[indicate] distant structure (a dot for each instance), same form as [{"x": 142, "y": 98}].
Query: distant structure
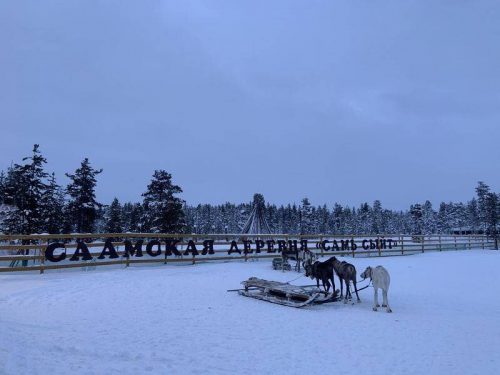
[{"x": 257, "y": 223}]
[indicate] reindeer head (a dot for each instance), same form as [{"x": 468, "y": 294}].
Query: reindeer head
[
  {"x": 309, "y": 268},
  {"x": 367, "y": 273}
]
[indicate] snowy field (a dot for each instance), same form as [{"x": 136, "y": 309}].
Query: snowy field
[{"x": 180, "y": 320}]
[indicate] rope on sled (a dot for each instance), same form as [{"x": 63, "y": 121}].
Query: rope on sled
[{"x": 288, "y": 282}]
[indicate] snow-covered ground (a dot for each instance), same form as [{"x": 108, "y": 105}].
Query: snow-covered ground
[{"x": 180, "y": 319}]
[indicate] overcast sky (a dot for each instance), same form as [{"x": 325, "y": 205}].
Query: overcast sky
[{"x": 346, "y": 101}]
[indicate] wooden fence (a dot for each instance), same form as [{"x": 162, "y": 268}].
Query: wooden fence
[{"x": 28, "y": 252}]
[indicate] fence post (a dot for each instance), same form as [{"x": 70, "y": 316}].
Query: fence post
[
  {"x": 42, "y": 256},
  {"x": 423, "y": 243},
  {"x": 402, "y": 245},
  {"x": 455, "y": 237},
  {"x": 127, "y": 258},
  {"x": 320, "y": 245},
  {"x": 379, "y": 245},
  {"x": 352, "y": 247},
  {"x": 470, "y": 246},
  {"x": 482, "y": 240},
  {"x": 321, "y": 248},
  {"x": 440, "y": 246}
]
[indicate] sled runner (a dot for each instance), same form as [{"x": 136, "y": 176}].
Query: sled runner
[{"x": 285, "y": 294}]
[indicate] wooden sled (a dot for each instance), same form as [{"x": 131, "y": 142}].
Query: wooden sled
[{"x": 285, "y": 294}]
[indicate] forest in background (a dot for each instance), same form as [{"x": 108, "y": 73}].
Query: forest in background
[{"x": 31, "y": 201}]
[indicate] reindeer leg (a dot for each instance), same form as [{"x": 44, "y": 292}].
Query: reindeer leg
[
  {"x": 375, "y": 299},
  {"x": 356, "y": 290},
  {"x": 384, "y": 292},
  {"x": 327, "y": 286},
  {"x": 347, "y": 291}
]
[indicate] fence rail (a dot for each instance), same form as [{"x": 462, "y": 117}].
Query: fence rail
[{"x": 29, "y": 252}]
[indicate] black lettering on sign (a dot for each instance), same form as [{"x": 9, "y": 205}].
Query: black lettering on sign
[
  {"x": 131, "y": 250},
  {"x": 353, "y": 245},
  {"x": 270, "y": 246},
  {"x": 382, "y": 244},
  {"x": 234, "y": 248},
  {"x": 81, "y": 251},
  {"x": 49, "y": 252},
  {"x": 171, "y": 247},
  {"x": 149, "y": 248},
  {"x": 303, "y": 245},
  {"x": 336, "y": 245},
  {"x": 191, "y": 248},
  {"x": 292, "y": 245},
  {"x": 208, "y": 247},
  {"x": 109, "y": 249},
  {"x": 281, "y": 245},
  {"x": 247, "y": 246},
  {"x": 345, "y": 244},
  {"x": 259, "y": 245}
]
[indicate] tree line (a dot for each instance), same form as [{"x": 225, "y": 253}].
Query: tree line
[{"x": 31, "y": 201}]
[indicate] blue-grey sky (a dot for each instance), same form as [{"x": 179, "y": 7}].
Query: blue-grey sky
[{"x": 348, "y": 101}]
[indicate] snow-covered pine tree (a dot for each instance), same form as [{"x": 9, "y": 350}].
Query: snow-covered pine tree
[
  {"x": 491, "y": 210},
  {"x": 416, "y": 215},
  {"x": 337, "y": 219},
  {"x": 323, "y": 216},
  {"x": 472, "y": 215},
  {"x": 364, "y": 219},
  {"x": 3, "y": 179},
  {"x": 83, "y": 206},
  {"x": 125, "y": 216},
  {"x": 443, "y": 225},
  {"x": 429, "y": 219},
  {"x": 135, "y": 224},
  {"x": 377, "y": 219},
  {"x": 53, "y": 204},
  {"x": 306, "y": 224},
  {"x": 482, "y": 190},
  {"x": 114, "y": 222},
  {"x": 23, "y": 191},
  {"x": 162, "y": 209}
]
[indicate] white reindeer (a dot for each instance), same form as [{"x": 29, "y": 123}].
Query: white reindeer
[{"x": 380, "y": 279}]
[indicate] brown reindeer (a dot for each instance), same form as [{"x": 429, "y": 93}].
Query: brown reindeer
[{"x": 347, "y": 273}]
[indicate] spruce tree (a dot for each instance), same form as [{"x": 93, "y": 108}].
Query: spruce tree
[
  {"x": 443, "y": 225},
  {"x": 3, "y": 179},
  {"x": 82, "y": 205},
  {"x": 491, "y": 212},
  {"x": 163, "y": 211},
  {"x": 306, "y": 224},
  {"x": 472, "y": 215},
  {"x": 429, "y": 218},
  {"x": 416, "y": 215},
  {"x": 482, "y": 191},
  {"x": 114, "y": 223},
  {"x": 53, "y": 204},
  {"x": 23, "y": 192},
  {"x": 377, "y": 219}
]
